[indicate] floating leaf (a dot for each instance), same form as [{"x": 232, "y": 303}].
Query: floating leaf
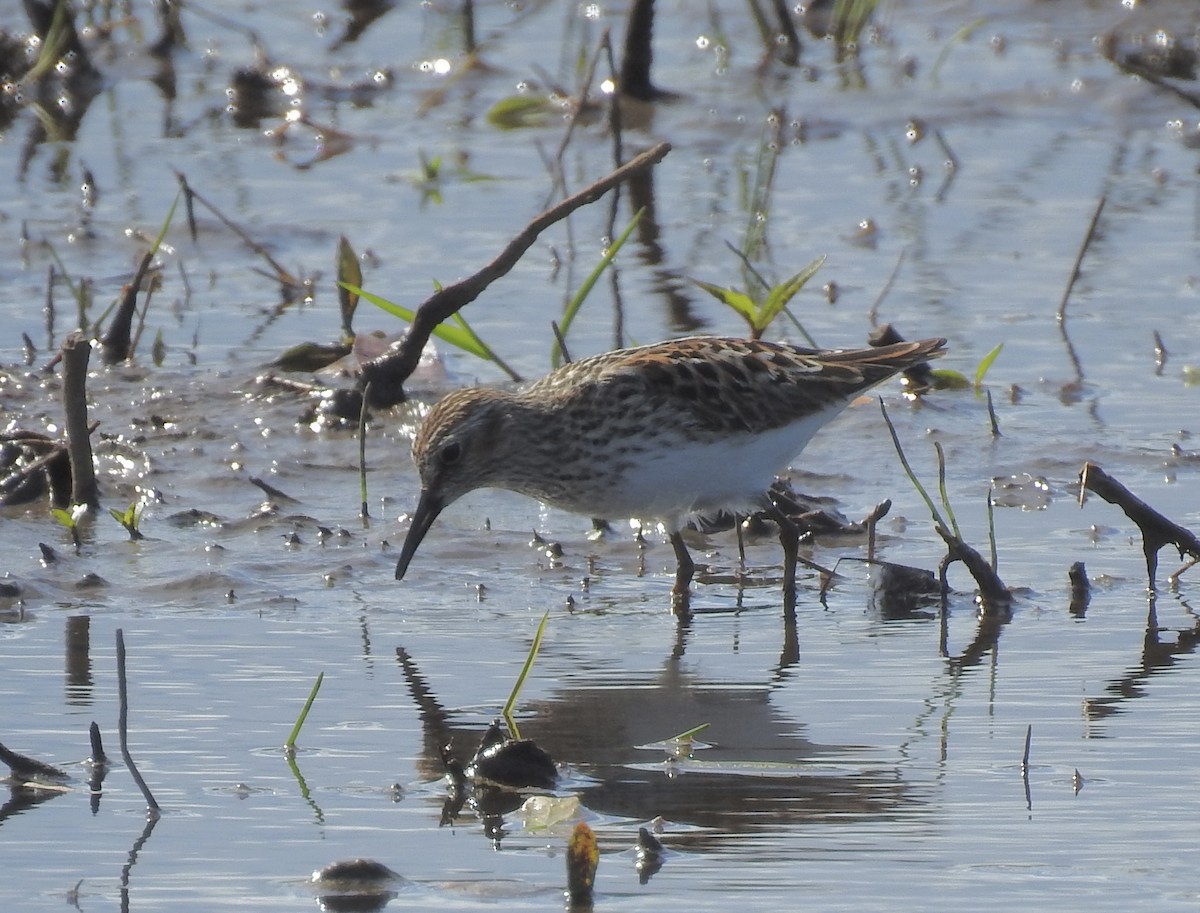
[
  {"x": 518, "y": 111},
  {"x": 949, "y": 379},
  {"x": 310, "y": 356}
]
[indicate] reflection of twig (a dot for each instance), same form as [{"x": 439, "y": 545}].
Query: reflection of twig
[
  {"x": 123, "y": 731},
  {"x": 1062, "y": 305},
  {"x": 151, "y": 820},
  {"x": 1156, "y": 529},
  {"x": 1087, "y": 241},
  {"x": 873, "y": 314},
  {"x": 387, "y": 373},
  {"x": 289, "y": 282}
]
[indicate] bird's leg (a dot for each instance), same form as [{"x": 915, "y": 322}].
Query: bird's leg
[{"x": 684, "y": 569}]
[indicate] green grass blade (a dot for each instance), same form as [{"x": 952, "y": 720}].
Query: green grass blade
[
  {"x": 941, "y": 458},
  {"x": 516, "y": 691},
  {"x": 290, "y": 744},
  {"x": 912, "y": 476},
  {"x": 985, "y": 364},
  {"x": 739, "y": 301},
  {"x": 490, "y": 354},
  {"x": 782, "y": 294},
  {"x": 589, "y": 283},
  {"x": 454, "y": 335},
  {"x": 689, "y": 733},
  {"x": 162, "y": 232}
]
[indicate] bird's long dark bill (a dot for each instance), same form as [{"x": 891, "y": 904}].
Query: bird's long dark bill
[{"x": 428, "y": 508}]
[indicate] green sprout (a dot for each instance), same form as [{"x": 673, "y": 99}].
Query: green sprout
[
  {"x": 588, "y": 284},
  {"x": 130, "y": 518},
  {"x": 524, "y": 674},
  {"x": 759, "y": 311},
  {"x": 458, "y": 333},
  {"x": 290, "y": 745},
  {"x": 70, "y": 520}
]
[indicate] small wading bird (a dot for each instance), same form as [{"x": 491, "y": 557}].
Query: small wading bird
[{"x": 662, "y": 432}]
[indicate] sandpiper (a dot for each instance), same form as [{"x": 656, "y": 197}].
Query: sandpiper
[{"x": 662, "y": 432}]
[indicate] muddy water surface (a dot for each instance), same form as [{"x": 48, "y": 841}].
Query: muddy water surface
[{"x": 848, "y": 764}]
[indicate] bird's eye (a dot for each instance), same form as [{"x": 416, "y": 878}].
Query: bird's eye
[{"x": 451, "y": 454}]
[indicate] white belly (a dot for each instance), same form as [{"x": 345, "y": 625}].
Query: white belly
[{"x": 692, "y": 478}]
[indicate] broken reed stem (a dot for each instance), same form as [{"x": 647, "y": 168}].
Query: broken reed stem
[
  {"x": 991, "y": 518},
  {"x": 364, "y": 513},
  {"x": 992, "y": 415},
  {"x": 123, "y": 727},
  {"x": 76, "y": 352},
  {"x": 1157, "y": 530},
  {"x": 1087, "y": 242},
  {"x": 388, "y": 372}
]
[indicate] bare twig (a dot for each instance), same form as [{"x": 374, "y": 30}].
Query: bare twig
[
  {"x": 387, "y": 373},
  {"x": 76, "y": 352},
  {"x": 1157, "y": 530},
  {"x": 123, "y": 727}
]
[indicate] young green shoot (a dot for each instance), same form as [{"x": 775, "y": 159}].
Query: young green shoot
[
  {"x": 941, "y": 461},
  {"x": 516, "y": 691},
  {"x": 130, "y": 518},
  {"x": 759, "y": 312},
  {"x": 681, "y": 745},
  {"x": 949, "y": 379},
  {"x": 849, "y": 18},
  {"x": 912, "y": 476},
  {"x": 459, "y": 334},
  {"x": 962, "y": 36},
  {"x": 290, "y": 745},
  {"x": 588, "y": 284},
  {"x": 70, "y": 520},
  {"x": 985, "y": 364}
]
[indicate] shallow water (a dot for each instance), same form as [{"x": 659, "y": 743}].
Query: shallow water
[{"x": 852, "y": 768}]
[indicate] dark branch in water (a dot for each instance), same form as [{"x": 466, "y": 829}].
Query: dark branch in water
[
  {"x": 387, "y": 373},
  {"x": 117, "y": 342},
  {"x": 123, "y": 727},
  {"x": 1157, "y": 530},
  {"x": 26, "y": 769},
  {"x": 76, "y": 352},
  {"x": 993, "y": 594}
]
